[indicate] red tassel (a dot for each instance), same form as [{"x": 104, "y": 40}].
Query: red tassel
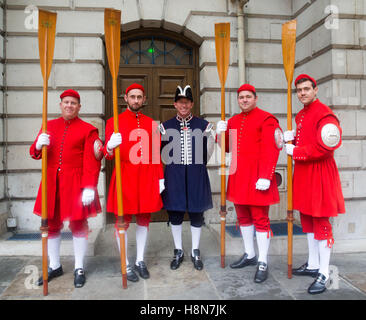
[
  {"x": 330, "y": 242},
  {"x": 269, "y": 232}
]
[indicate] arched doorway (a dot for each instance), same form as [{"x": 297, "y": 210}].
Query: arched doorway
[{"x": 159, "y": 60}]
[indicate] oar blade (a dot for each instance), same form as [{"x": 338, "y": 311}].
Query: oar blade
[
  {"x": 222, "y": 45},
  {"x": 288, "y": 48},
  {"x": 112, "y": 30},
  {"x": 46, "y": 40}
]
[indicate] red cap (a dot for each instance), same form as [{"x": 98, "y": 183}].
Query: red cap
[
  {"x": 135, "y": 86},
  {"x": 246, "y": 87},
  {"x": 70, "y": 93},
  {"x": 304, "y": 76}
]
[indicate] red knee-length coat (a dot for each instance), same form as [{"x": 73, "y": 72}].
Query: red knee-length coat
[
  {"x": 316, "y": 184},
  {"x": 255, "y": 139},
  {"x": 141, "y": 167},
  {"x": 71, "y": 157}
]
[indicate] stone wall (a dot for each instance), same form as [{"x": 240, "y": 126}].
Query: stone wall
[
  {"x": 3, "y": 200},
  {"x": 331, "y": 48}
]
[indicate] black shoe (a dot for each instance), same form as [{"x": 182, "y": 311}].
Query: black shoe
[
  {"x": 196, "y": 259},
  {"x": 142, "y": 270},
  {"x": 318, "y": 286},
  {"x": 79, "y": 278},
  {"x": 262, "y": 272},
  {"x": 131, "y": 275},
  {"x": 177, "y": 259},
  {"x": 51, "y": 274},
  {"x": 304, "y": 271},
  {"x": 243, "y": 262}
]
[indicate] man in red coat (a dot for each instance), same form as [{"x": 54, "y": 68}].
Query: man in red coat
[
  {"x": 74, "y": 153},
  {"x": 317, "y": 192},
  {"x": 255, "y": 139},
  {"x": 141, "y": 169}
]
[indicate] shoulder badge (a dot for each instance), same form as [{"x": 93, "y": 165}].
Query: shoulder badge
[
  {"x": 209, "y": 127},
  {"x": 330, "y": 135},
  {"x": 162, "y": 129},
  {"x": 278, "y": 136},
  {"x": 98, "y": 149}
]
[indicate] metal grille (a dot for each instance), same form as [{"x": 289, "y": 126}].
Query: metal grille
[
  {"x": 35, "y": 236},
  {"x": 155, "y": 50},
  {"x": 278, "y": 229}
]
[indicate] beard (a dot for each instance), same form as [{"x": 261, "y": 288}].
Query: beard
[{"x": 135, "y": 107}]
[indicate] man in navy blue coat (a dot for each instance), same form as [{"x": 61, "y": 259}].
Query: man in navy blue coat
[{"x": 187, "y": 144}]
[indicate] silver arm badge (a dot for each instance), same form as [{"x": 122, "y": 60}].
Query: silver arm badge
[
  {"x": 98, "y": 149},
  {"x": 330, "y": 135},
  {"x": 278, "y": 136}
]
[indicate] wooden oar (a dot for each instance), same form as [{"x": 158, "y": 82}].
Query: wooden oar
[
  {"x": 222, "y": 45},
  {"x": 112, "y": 30},
  {"x": 288, "y": 53},
  {"x": 46, "y": 44}
]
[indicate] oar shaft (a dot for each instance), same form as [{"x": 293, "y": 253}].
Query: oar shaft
[
  {"x": 44, "y": 235},
  {"x": 122, "y": 245},
  {"x": 289, "y": 106},
  {"x": 44, "y": 153},
  {"x": 290, "y": 217},
  {"x": 223, "y": 183},
  {"x": 121, "y": 225},
  {"x": 117, "y": 152},
  {"x": 44, "y": 221}
]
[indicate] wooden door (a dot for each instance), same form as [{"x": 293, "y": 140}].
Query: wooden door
[{"x": 160, "y": 84}]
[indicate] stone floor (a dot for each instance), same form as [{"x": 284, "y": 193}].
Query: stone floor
[{"x": 18, "y": 273}]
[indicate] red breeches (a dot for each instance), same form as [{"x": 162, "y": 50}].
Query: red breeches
[
  {"x": 142, "y": 219},
  {"x": 79, "y": 228},
  {"x": 258, "y": 215},
  {"x": 320, "y": 226}
]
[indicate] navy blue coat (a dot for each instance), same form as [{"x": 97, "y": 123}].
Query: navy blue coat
[{"x": 184, "y": 153}]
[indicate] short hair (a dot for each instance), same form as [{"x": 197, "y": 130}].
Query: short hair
[{"x": 304, "y": 80}]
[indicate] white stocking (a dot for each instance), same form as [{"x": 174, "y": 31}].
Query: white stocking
[
  {"x": 53, "y": 245},
  {"x": 177, "y": 235},
  {"x": 263, "y": 244},
  {"x": 247, "y": 233},
  {"x": 126, "y": 241},
  {"x": 313, "y": 246},
  {"x": 196, "y": 235},
  {"x": 80, "y": 247},
  {"x": 141, "y": 236},
  {"x": 324, "y": 254}
]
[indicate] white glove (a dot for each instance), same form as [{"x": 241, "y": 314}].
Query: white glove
[
  {"x": 114, "y": 141},
  {"x": 161, "y": 185},
  {"x": 43, "y": 140},
  {"x": 262, "y": 184},
  {"x": 88, "y": 196},
  {"x": 289, "y": 135},
  {"x": 289, "y": 149},
  {"x": 221, "y": 126}
]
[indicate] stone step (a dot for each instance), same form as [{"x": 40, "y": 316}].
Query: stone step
[
  {"x": 278, "y": 245},
  {"x": 34, "y": 247}
]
